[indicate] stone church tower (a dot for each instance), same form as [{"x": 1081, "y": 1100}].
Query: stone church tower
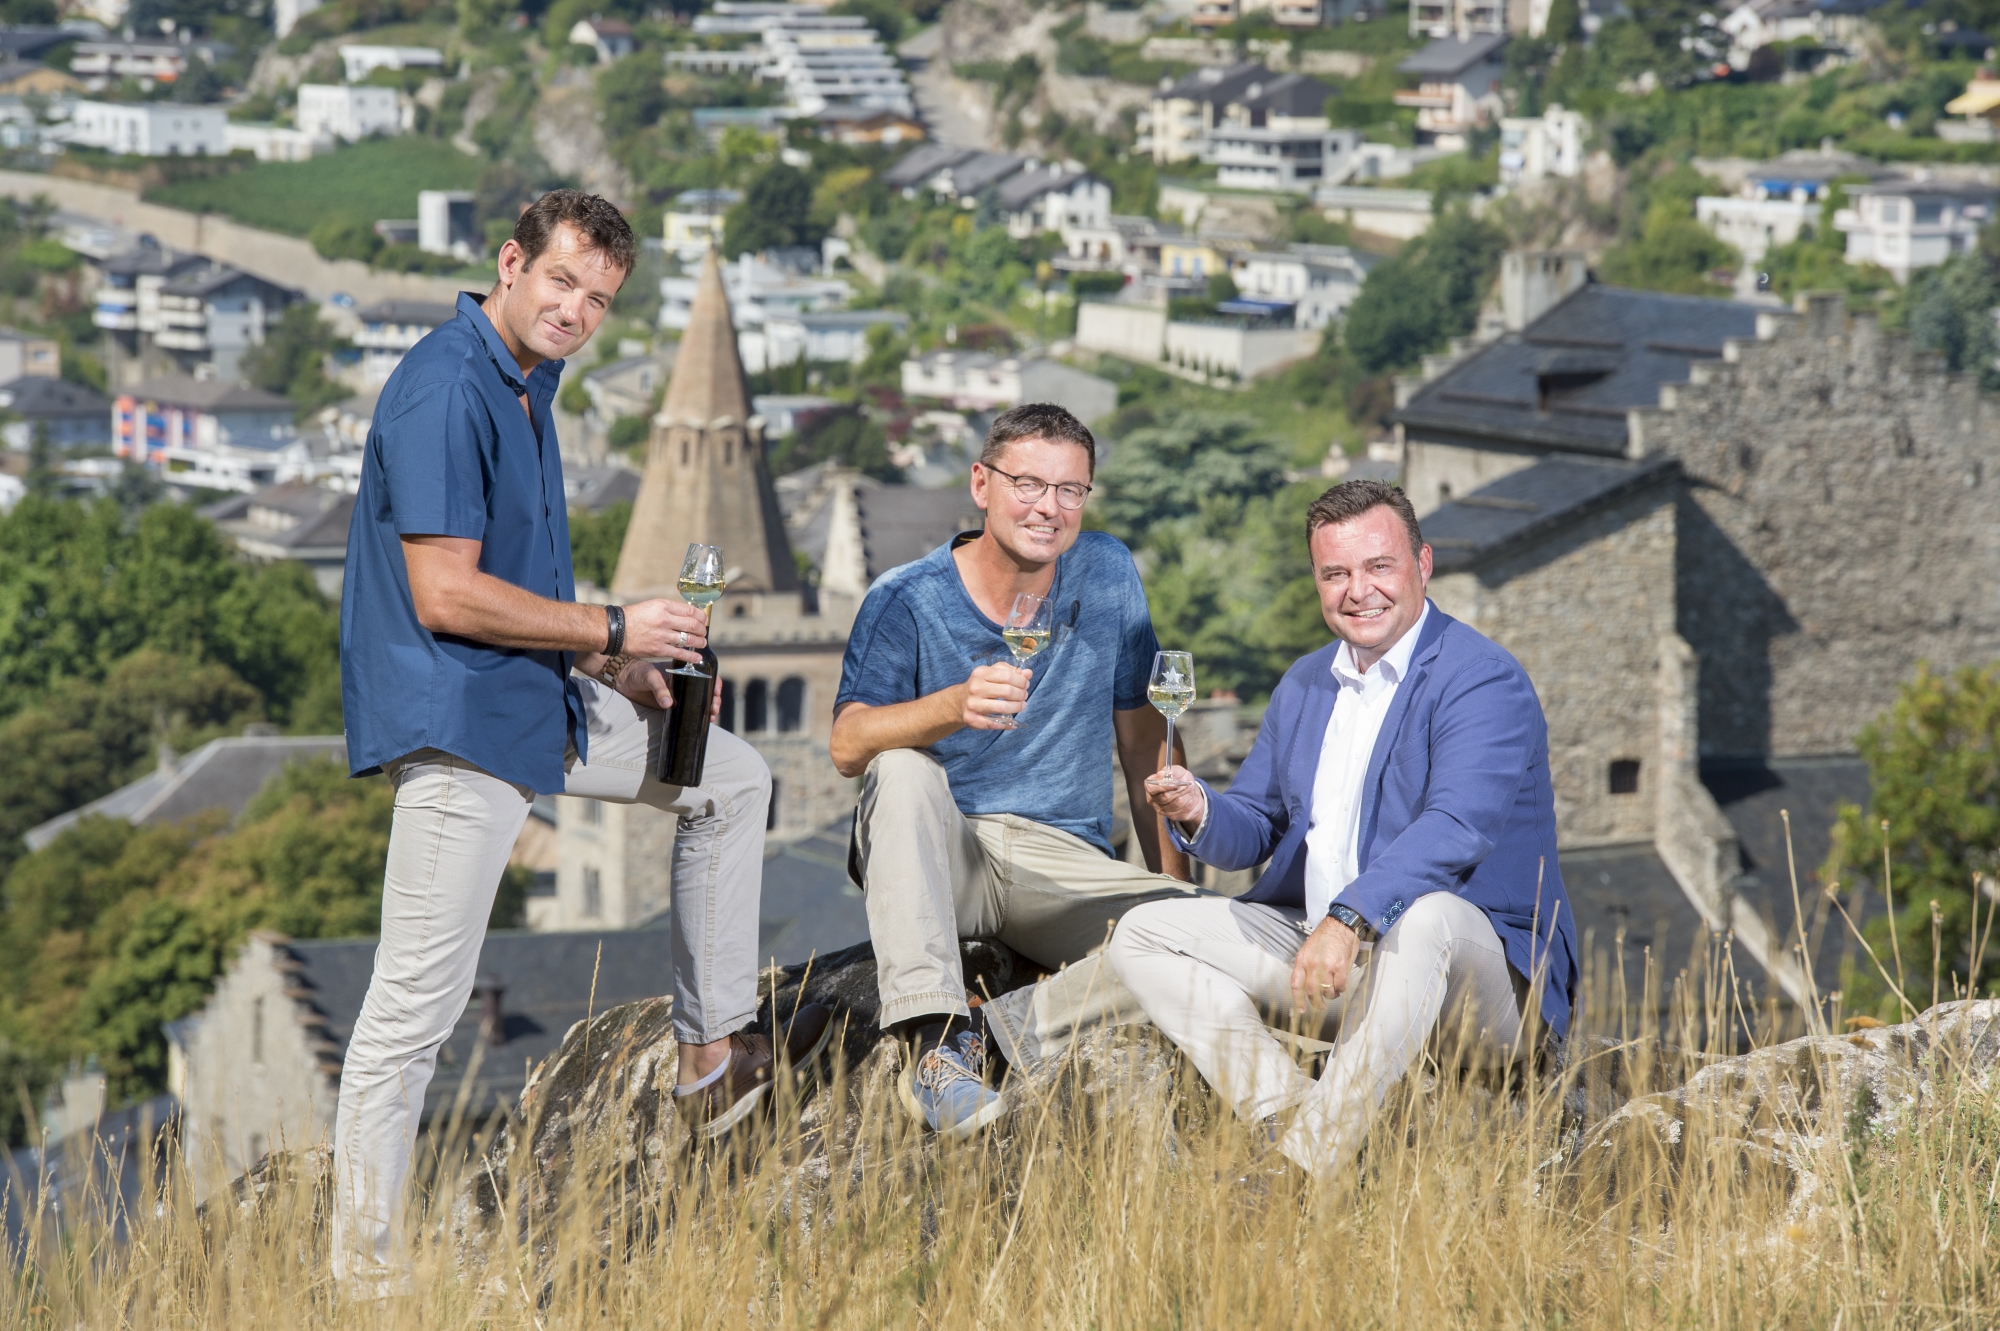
[
  {"x": 706, "y": 477},
  {"x": 780, "y": 641}
]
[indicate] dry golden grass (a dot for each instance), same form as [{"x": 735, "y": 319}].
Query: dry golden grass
[{"x": 1102, "y": 1210}]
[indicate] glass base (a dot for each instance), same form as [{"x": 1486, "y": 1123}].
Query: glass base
[{"x": 682, "y": 668}]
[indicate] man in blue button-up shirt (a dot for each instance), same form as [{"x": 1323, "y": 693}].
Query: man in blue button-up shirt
[{"x": 474, "y": 679}]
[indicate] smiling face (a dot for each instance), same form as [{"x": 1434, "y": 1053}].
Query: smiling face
[
  {"x": 1033, "y": 534},
  {"x": 1371, "y": 584},
  {"x": 547, "y": 310}
]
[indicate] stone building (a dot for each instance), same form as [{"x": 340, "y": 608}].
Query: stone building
[{"x": 1719, "y": 538}]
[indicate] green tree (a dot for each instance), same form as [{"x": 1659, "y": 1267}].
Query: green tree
[
  {"x": 1667, "y": 249},
  {"x": 345, "y": 238},
  {"x": 1428, "y": 293},
  {"x": 1188, "y": 463},
  {"x": 776, "y": 210},
  {"x": 632, "y": 95},
  {"x": 1951, "y": 311},
  {"x": 1934, "y": 780},
  {"x": 597, "y": 539},
  {"x": 292, "y": 359}
]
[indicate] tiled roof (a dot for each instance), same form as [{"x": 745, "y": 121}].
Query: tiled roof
[
  {"x": 1568, "y": 380},
  {"x": 1531, "y": 503}
]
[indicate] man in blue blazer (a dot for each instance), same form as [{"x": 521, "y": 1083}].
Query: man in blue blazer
[{"x": 1398, "y": 795}]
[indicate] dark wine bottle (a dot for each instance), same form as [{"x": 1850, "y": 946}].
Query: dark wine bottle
[{"x": 686, "y": 746}]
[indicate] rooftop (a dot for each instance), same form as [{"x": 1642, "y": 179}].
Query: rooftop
[
  {"x": 1570, "y": 378},
  {"x": 1016, "y": 194},
  {"x": 215, "y": 395},
  {"x": 425, "y": 313},
  {"x": 1217, "y": 83},
  {"x": 39, "y": 397},
  {"x": 1531, "y": 503},
  {"x": 1297, "y": 95},
  {"x": 1448, "y": 57}
]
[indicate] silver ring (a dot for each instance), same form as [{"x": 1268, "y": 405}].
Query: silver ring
[{"x": 684, "y": 637}]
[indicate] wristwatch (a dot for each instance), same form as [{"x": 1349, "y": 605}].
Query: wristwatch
[{"x": 1353, "y": 919}]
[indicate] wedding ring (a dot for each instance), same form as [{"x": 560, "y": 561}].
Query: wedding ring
[{"x": 684, "y": 637}]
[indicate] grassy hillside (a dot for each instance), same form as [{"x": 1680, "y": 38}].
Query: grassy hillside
[{"x": 362, "y": 183}]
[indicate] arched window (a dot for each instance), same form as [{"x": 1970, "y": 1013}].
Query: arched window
[
  {"x": 791, "y": 704},
  {"x": 756, "y": 707},
  {"x": 728, "y": 717}
]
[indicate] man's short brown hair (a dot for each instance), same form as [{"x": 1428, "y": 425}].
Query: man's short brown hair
[
  {"x": 602, "y": 227},
  {"x": 1350, "y": 499},
  {"x": 1037, "y": 420}
]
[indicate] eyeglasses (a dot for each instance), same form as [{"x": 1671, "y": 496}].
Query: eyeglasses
[{"x": 1030, "y": 489}]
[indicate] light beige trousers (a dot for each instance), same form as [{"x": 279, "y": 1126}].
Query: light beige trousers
[
  {"x": 932, "y": 875},
  {"x": 1215, "y": 976}
]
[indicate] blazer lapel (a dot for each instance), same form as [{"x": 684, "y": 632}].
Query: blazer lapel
[{"x": 1385, "y": 739}]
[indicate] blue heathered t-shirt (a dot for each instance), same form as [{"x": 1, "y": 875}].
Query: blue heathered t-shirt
[{"x": 918, "y": 632}]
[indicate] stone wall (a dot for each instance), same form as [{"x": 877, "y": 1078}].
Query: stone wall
[
  {"x": 1436, "y": 473},
  {"x": 1584, "y": 611},
  {"x": 1838, "y": 526}
]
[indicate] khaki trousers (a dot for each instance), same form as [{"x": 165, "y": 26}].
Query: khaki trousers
[
  {"x": 453, "y": 828},
  {"x": 932, "y": 875},
  {"x": 1215, "y": 975}
]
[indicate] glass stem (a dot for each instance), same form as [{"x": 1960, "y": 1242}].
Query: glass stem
[{"x": 1170, "y": 745}]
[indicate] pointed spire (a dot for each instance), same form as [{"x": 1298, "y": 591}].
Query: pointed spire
[{"x": 706, "y": 477}]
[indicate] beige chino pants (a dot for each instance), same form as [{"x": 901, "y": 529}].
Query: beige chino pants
[{"x": 932, "y": 876}]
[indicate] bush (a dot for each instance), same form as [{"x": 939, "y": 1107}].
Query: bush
[
  {"x": 346, "y": 238},
  {"x": 1428, "y": 293}
]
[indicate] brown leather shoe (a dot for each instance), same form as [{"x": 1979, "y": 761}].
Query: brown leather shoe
[{"x": 729, "y": 1099}]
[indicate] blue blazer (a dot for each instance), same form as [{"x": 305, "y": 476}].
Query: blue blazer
[{"x": 1457, "y": 799}]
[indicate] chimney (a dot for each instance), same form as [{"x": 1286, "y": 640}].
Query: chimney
[{"x": 1533, "y": 282}]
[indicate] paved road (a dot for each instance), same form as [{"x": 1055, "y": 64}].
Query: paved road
[{"x": 287, "y": 259}]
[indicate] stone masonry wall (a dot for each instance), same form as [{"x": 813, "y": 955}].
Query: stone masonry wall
[
  {"x": 1839, "y": 524},
  {"x": 1584, "y": 611}
]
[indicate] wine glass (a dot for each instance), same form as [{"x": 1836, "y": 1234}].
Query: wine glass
[
  {"x": 701, "y": 585},
  {"x": 1172, "y": 690},
  {"x": 1027, "y": 631}
]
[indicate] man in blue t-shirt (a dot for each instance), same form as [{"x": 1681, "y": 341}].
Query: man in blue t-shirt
[{"x": 986, "y": 805}]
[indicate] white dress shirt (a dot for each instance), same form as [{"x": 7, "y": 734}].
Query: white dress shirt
[{"x": 1333, "y": 841}]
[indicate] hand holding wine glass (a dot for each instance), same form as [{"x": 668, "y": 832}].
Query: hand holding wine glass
[
  {"x": 1171, "y": 690},
  {"x": 701, "y": 583},
  {"x": 1029, "y": 624}
]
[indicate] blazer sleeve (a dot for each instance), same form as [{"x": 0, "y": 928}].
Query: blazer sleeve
[
  {"x": 1487, "y": 729},
  {"x": 1245, "y": 822}
]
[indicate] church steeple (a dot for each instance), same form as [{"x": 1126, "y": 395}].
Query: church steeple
[{"x": 706, "y": 476}]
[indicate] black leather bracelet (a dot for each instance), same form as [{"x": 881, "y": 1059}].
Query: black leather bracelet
[{"x": 614, "y": 639}]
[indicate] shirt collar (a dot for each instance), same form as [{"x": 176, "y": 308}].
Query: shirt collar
[
  {"x": 470, "y": 306},
  {"x": 1395, "y": 662}
]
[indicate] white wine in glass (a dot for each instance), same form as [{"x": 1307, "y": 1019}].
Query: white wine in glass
[
  {"x": 1027, "y": 631},
  {"x": 1171, "y": 690},
  {"x": 701, "y": 584}
]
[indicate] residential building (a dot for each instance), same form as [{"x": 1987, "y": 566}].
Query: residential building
[
  {"x": 749, "y": 17},
  {"x": 1290, "y": 161},
  {"x": 1128, "y": 243},
  {"x": 1192, "y": 257},
  {"x": 694, "y": 222},
  {"x": 361, "y": 61},
  {"x": 1535, "y": 147},
  {"x": 1978, "y": 109},
  {"x": 610, "y": 38},
  {"x": 832, "y": 336},
  {"x": 860, "y": 126},
  {"x": 126, "y": 304},
  {"x": 1911, "y": 224},
  {"x": 349, "y": 111},
  {"x": 446, "y": 223},
  {"x": 212, "y": 314},
  {"x": 1755, "y": 225},
  {"x": 833, "y": 60},
  {"x": 970, "y": 176},
  {"x": 222, "y": 775},
  {"x": 70, "y": 415},
  {"x": 1318, "y": 281},
  {"x": 150, "y": 129},
  {"x": 1471, "y": 18},
  {"x": 225, "y": 436},
  {"x": 1055, "y": 196},
  {"x": 981, "y": 381},
  {"x": 293, "y": 520},
  {"x": 1225, "y": 350},
  {"x": 389, "y": 328},
  {"x": 1185, "y": 110},
  {"x": 628, "y": 386},
  {"x": 1756, "y": 24},
  {"x": 1458, "y": 87},
  {"x": 25, "y": 354},
  {"x": 274, "y": 143},
  {"x": 757, "y": 289},
  {"x": 31, "y": 78},
  {"x": 784, "y": 413},
  {"x": 1399, "y": 214},
  {"x": 101, "y": 64}
]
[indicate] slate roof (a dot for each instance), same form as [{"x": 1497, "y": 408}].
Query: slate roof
[
  {"x": 150, "y": 260},
  {"x": 218, "y": 276},
  {"x": 922, "y": 162},
  {"x": 40, "y": 398},
  {"x": 982, "y": 170},
  {"x": 1531, "y": 503},
  {"x": 1028, "y": 186},
  {"x": 26, "y": 43},
  {"x": 221, "y": 774},
  {"x": 1628, "y": 889},
  {"x": 594, "y": 489},
  {"x": 428, "y": 314},
  {"x": 1448, "y": 57},
  {"x": 1568, "y": 380},
  {"x": 1217, "y": 84},
  {"x": 1290, "y": 95},
  {"x": 320, "y": 519},
  {"x": 214, "y": 395}
]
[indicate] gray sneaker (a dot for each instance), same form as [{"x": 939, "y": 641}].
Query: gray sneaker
[{"x": 945, "y": 1094}]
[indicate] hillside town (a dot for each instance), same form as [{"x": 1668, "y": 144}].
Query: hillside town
[{"x": 1679, "y": 328}]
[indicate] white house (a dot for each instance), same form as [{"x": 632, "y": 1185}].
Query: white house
[
  {"x": 611, "y": 38},
  {"x": 980, "y": 381},
  {"x": 830, "y": 336},
  {"x": 1322, "y": 280},
  {"x": 1759, "y": 23},
  {"x": 694, "y": 221},
  {"x": 361, "y": 61},
  {"x": 1053, "y": 197},
  {"x": 445, "y": 223},
  {"x": 275, "y": 143},
  {"x": 757, "y": 290},
  {"x": 151, "y": 129},
  {"x": 1757, "y": 221},
  {"x": 1907, "y": 225},
  {"x": 1458, "y": 87},
  {"x": 350, "y": 112},
  {"x": 390, "y": 328},
  {"x": 1280, "y": 160},
  {"x": 1550, "y": 144}
]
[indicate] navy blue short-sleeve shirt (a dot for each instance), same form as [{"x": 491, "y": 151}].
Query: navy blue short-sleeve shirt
[{"x": 451, "y": 453}]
